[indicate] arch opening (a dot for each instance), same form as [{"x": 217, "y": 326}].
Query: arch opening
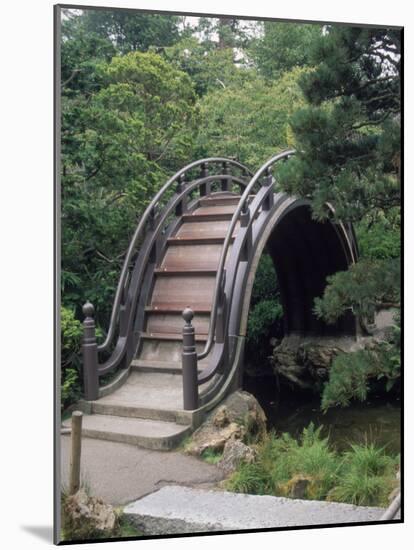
[{"x": 304, "y": 252}]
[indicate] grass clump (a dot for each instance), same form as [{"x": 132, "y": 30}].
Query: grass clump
[
  {"x": 309, "y": 468},
  {"x": 211, "y": 456},
  {"x": 368, "y": 476}
]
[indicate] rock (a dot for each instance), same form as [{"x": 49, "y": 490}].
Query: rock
[
  {"x": 244, "y": 409},
  {"x": 221, "y": 418},
  {"x": 87, "y": 517},
  {"x": 305, "y": 362},
  {"x": 239, "y": 417},
  {"x": 236, "y": 452},
  {"x": 210, "y": 438},
  {"x": 297, "y": 487}
]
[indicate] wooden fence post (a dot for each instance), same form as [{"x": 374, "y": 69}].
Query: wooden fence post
[{"x": 75, "y": 459}]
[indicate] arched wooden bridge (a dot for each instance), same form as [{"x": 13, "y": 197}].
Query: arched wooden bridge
[{"x": 197, "y": 248}]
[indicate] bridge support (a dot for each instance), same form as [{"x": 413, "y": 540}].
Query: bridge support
[
  {"x": 90, "y": 355},
  {"x": 189, "y": 363}
]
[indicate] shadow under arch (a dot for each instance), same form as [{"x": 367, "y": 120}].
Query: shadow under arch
[{"x": 304, "y": 253}]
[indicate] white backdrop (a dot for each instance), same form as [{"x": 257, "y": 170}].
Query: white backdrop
[{"x": 26, "y": 217}]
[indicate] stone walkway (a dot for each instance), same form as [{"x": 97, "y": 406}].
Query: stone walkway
[{"x": 120, "y": 473}]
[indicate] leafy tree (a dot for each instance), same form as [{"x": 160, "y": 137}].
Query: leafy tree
[
  {"x": 283, "y": 47},
  {"x": 118, "y": 146},
  {"x": 210, "y": 68},
  {"x": 379, "y": 236},
  {"x": 250, "y": 122},
  {"x": 348, "y": 141},
  {"x": 132, "y": 31}
]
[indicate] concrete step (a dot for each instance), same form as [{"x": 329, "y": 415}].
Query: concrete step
[
  {"x": 167, "y": 367},
  {"x": 181, "y": 417},
  {"x": 144, "y": 389},
  {"x": 175, "y": 509},
  {"x": 150, "y": 434}
]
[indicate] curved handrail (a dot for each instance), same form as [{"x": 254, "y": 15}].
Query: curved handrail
[
  {"x": 119, "y": 349},
  {"x": 220, "y": 270},
  {"x": 141, "y": 225}
]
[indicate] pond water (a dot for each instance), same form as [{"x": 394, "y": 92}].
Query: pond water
[{"x": 378, "y": 420}]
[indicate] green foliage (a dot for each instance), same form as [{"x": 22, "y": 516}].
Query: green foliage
[
  {"x": 351, "y": 374},
  {"x": 284, "y": 458},
  {"x": 249, "y": 121},
  {"x": 118, "y": 145},
  {"x": 210, "y": 68},
  {"x": 262, "y": 319},
  {"x": 265, "y": 283},
  {"x": 284, "y": 461},
  {"x": 363, "y": 288},
  {"x": 71, "y": 339},
  {"x": 211, "y": 456},
  {"x": 368, "y": 476},
  {"x": 251, "y": 479},
  {"x": 265, "y": 313},
  {"x": 379, "y": 237},
  {"x": 129, "y": 31},
  {"x": 283, "y": 47},
  {"x": 349, "y": 135}
]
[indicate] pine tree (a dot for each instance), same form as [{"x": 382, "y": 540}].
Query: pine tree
[{"x": 348, "y": 143}]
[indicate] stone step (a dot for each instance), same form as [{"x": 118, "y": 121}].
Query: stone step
[
  {"x": 148, "y": 390},
  {"x": 147, "y": 395},
  {"x": 167, "y": 367},
  {"x": 181, "y": 417},
  {"x": 150, "y": 434},
  {"x": 175, "y": 509}
]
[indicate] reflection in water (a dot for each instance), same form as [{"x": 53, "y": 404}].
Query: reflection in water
[{"x": 377, "y": 420}]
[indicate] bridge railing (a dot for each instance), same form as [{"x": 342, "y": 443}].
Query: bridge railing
[
  {"x": 170, "y": 201},
  {"x": 224, "y": 286}
]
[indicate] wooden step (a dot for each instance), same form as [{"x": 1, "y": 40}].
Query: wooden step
[
  {"x": 164, "y": 350},
  {"x": 204, "y": 229},
  {"x": 177, "y": 292},
  {"x": 170, "y": 336},
  {"x": 208, "y": 216},
  {"x": 168, "y": 308},
  {"x": 184, "y": 272},
  {"x": 173, "y": 322},
  {"x": 192, "y": 256},
  {"x": 220, "y": 201},
  {"x": 187, "y": 240},
  {"x": 215, "y": 209}
]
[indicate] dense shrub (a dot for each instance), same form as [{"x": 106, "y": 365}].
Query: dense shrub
[
  {"x": 265, "y": 313},
  {"x": 71, "y": 339},
  {"x": 363, "y": 475},
  {"x": 351, "y": 375}
]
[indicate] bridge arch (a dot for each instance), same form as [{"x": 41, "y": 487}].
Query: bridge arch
[
  {"x": 304, "y": 253},
  {"x": 198, "y": 245}
]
